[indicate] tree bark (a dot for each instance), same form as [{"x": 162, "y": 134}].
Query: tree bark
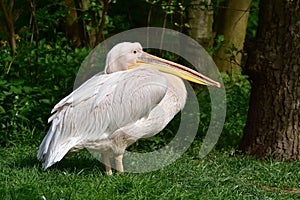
[
  {"x": 200, "y": 18},
  {"x": 77, "y": 28},
  {"x": 273, "y": 127},
  {"x": 235, "y": 19},
  {"x": 7, "y": 10},
  {"x": 72, "y": 28}
]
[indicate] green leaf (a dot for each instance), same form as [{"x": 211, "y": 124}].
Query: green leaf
[
  {"x": 47, "y": 101},
  {"x": 27, "y": 89},
  {"x": 2, "y": 110},
  {"x": 16, "y": 90}
]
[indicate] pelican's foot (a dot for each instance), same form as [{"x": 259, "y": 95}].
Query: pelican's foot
[{"x": 109, "y": 173}]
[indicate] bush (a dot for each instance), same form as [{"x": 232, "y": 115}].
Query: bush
[
  {"x": 20, "y": 112},
  {"x": 238, "y": 94},
  {"x": 237, "y": 98},
  {"x": 33, "y": 80}
]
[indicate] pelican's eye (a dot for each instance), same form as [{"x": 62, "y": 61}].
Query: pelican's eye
[{"x": 134, "y": 51}]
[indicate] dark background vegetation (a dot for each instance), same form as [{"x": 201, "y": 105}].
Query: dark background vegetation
[
  {"x": 39, "y": 70},
  {"x": 43, "y": 67}
]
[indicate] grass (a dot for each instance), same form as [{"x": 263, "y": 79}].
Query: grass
[
  {"x": 80, "y": 176},
  {"x": 224, "y": 174}
]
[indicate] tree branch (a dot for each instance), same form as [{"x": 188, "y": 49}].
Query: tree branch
[
  {"x": 103, "y": 19},
  {"x": 37, "y": 38}
]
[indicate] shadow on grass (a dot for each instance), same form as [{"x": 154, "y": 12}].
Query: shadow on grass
[
  {"x": 80, "y": 161},
  {"x": 77, "y": 162}
]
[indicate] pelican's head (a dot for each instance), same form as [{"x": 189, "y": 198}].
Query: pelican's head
[
  {"x": 127, "y": 55},
  {"x": 123, "y": 55}
]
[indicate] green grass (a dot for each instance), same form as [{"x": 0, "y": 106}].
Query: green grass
[{"x": 80, "y": 176}]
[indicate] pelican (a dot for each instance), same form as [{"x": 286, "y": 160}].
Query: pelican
[{"x": 136, "y": 97}]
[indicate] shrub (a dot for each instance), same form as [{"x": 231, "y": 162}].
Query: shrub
[
  {"x": 33, "y": 80},
  {"x": 237, "y": 98}
]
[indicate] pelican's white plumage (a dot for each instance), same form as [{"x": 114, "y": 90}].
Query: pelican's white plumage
[{"x": 111, "y": 111}]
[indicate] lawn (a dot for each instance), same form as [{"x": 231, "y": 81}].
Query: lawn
[{"x": 221, "y": 175}]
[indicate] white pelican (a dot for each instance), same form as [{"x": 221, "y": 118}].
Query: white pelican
[{"x": 136, "y": 97}]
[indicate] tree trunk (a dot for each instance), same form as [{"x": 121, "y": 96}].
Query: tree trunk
[
  {"x": 7, "y": 11},
  {"x": 82, "y": 7},
  {"x": 86, "y": 32},
  {"x": 235, "y": 19},
  {"x": 200, "y": 18},
  {"x": 273, "y": 127},
  {"x": 72, "y": 28}
]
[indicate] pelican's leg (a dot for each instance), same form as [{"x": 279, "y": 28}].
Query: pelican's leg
[
  {"x": 106, "y": 162},
  {"x": 119, "y": 162}
]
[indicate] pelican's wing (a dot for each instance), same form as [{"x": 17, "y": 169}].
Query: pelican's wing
[
  {"x": 100, "y": 106},
  {"x": 85, "y": 91}
]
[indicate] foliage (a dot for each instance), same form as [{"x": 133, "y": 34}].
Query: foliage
[
  {"x": 44, "y": 66},
  {"x": 237, "y": 98},
  {"x": 31, "y": 83},
  {"x": 81, "y": 176},
  {"x": 155, "y": 13},
  {"x": 219, "y": 41},
  {"x": 253, "y": 20},
  {"x": 50, "y": 15},
  {"x": 20, "y": 112}
]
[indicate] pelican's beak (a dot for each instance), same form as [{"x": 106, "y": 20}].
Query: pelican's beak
[{"x": 175, "y": 69}]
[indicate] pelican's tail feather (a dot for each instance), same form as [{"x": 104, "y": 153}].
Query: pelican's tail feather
[{"x": 56, "y": 144}]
